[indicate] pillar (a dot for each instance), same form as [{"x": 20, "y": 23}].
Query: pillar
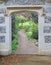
[
  {"x": 45, "y": 33},
  {"x": 5, "y": 43}
]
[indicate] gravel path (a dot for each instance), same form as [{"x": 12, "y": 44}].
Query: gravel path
[{"x": 25, "y": 46}]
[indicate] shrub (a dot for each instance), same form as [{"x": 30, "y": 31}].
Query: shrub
[
  {"x": 32, "y": 30},
  {"x": 14, "y": 45},
  {"x": 14, "y": 33},
  {"x": 20, "y": 26},
  {"x": 29, "y": 35},
  {"x": 35, "y": 32}
]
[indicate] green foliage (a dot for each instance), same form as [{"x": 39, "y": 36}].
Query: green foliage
[
  {"x": 14, "y": 33},
  {"x": 35, "y": 32},
  {"x": 30, "y": 27},
  {"x": 29, "y": 35},
  {"x": 21, "y": 22},
  {"x": 20, "y": 26},
  {"x": 20, "y": 19},
  {"x": 32, "y": 30},
  {"x": 14, "y": 45}
]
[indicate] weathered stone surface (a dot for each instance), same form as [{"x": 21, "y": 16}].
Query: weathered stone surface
[
  {"x": 47, "y": 39},
  {"x": 26, "y": 2}
]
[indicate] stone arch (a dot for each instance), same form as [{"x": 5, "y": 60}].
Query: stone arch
[
  {"x": 39, "y": 11},
  {"x": 9, "y": 11}
]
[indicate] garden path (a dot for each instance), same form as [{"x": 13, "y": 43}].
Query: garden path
[{"x": 25, "y": 45}]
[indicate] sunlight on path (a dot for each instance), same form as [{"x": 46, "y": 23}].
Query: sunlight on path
[{"x": 25, "y": 46}]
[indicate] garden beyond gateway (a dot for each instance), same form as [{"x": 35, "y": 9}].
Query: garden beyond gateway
[{"x": 6, "y": 47}]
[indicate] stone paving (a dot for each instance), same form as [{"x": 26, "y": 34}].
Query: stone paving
[{"x": 25, "y": 45}]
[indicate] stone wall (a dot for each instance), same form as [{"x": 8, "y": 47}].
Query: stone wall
[{"x": 25, "y": 2}]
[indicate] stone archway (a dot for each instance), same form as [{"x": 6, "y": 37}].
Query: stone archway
[
  {"x": 26, "y": 46},
  {"x": 39, "y": 10},
  {"x": 9, "y": 11}
]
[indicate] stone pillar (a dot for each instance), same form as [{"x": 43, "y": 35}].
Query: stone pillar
[
  {"x": 5, "y": 46},
  {"x": 41, "y": 35},
  {"x": 45, "y": 33}
]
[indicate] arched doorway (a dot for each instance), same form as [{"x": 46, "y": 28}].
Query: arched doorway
[
  {"x": 25, "y": 32},
  {"x": 38, "y": 10},
  {"x": 10, "y": 10}
]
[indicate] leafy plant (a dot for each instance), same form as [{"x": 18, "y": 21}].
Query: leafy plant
[
  {"x": 14, "y": 45},
  {"x": 14, "y": 33},
  {"x": 35, "y": 32}
]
